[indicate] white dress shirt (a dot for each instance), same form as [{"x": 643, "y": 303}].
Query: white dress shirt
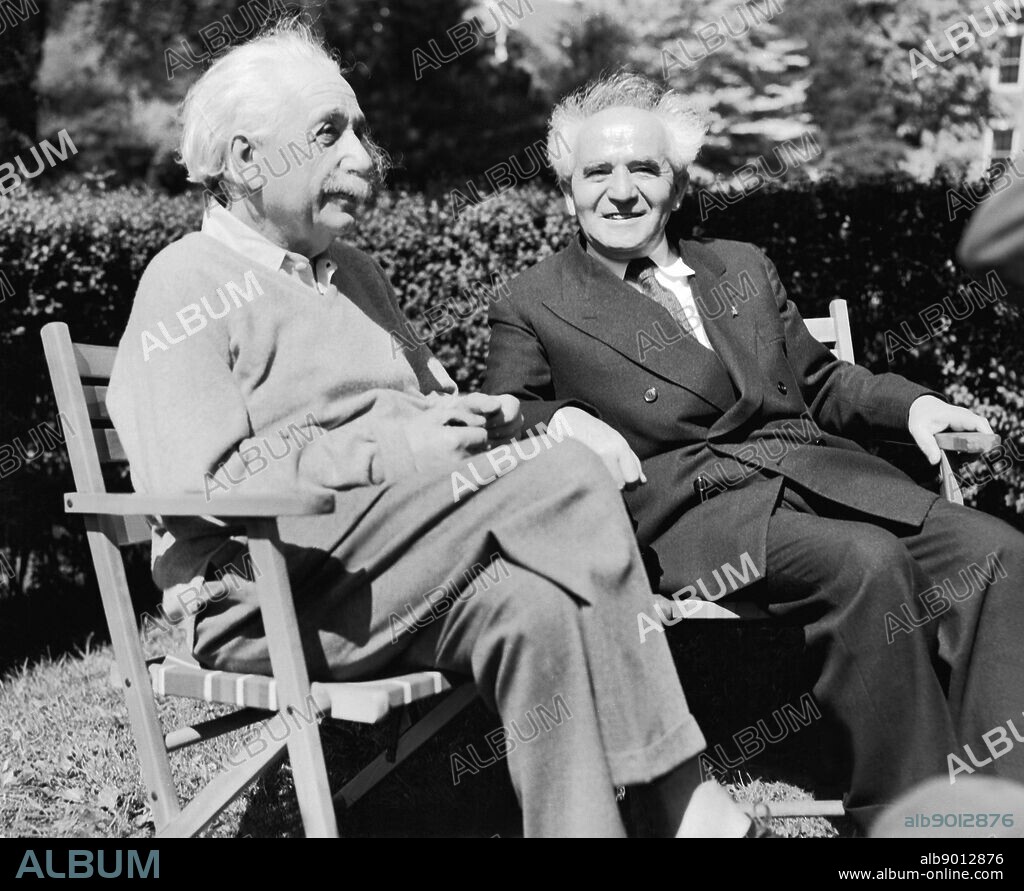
[
  {"x": 219, "y": 223},
  {"x": 674, "y": 275}
]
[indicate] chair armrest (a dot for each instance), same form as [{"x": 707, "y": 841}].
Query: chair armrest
[
  {"x": 973, "y": 443},
  {"x": 952, "y": 441},
  {"x": 143, "y": 504}
]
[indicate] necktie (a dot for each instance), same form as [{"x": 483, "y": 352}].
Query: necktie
[{"x": 641, "y": 270}]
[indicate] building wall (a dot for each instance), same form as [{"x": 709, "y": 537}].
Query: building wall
[{"x": 1005, "y": 134}]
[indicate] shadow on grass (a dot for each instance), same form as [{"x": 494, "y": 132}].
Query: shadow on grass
[{"x": 418, "y": 799}]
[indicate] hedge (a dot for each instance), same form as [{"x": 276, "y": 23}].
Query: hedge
[{"x": 887, "y": 248}]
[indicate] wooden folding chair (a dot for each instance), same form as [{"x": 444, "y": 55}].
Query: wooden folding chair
[{"x": 80, "y": 373}]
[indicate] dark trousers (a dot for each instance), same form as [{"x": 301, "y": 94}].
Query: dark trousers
[{"x": 920, "y": 632}]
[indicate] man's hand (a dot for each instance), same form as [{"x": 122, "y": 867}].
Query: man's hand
[
  {"x": 500, "y": 415},
  {"x": 503, "y": 420},
  {"x": 445, "y": 434},
  {"x": 929, "y": 416},
  {"x": 618, "y": 457}
]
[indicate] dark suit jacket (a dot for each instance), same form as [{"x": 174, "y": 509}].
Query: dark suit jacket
[{"x": 570, "y": 331}]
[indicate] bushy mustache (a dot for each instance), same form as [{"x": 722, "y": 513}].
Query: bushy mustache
[{"x": 350, "y": 185}]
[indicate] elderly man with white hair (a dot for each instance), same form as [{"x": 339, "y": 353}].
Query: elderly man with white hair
[
  {"x": 258, "y": 358},
  {"x": 695, "y": 379}
]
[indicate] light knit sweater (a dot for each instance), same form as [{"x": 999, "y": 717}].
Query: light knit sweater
[{"x": 233, "y": 378}]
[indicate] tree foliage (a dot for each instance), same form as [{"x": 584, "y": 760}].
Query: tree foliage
[
  {"x": 736, "y": 59},
  {"x": 445, "y": 113},
  {"x": 875, "y": 115},
  {"x": 435, "y": 92},
  {"x": 772, "y": 70},
  {"x": 21, "y": 47},
  {"x": 451, "y": 96}
]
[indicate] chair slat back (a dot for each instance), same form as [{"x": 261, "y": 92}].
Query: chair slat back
[
  {"x": 96, "y": 402},
  {"x": 834, "y": 329},
  {"x": 94, "y": 361},
  {"x": 85, "y": 407},
  {"x": 108, "y": 446}
]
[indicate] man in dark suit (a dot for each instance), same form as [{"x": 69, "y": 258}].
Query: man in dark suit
[{"x": 686, "y": 367}]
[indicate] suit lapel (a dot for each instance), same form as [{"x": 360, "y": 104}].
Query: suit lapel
[
  {"x": 594, "y": 300},
  {"x": 732, "y": 330}
]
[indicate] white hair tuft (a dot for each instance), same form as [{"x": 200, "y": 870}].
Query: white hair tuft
[
  {"x": 685, "y": 123},
  {"x": 242, "y": 91}
]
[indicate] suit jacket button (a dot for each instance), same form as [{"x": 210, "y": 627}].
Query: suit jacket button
[
  {"x": 783, "y": 389},
  {"x": 650, "y": 394}
]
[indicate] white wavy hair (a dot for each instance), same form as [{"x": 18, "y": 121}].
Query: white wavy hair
[
  {"x": 685, "y": 122},
  {"x": 245, "y": 89}
]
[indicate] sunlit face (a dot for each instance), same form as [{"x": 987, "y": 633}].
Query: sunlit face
[
  {"x": 622, "y": 189},
  {"x": 312, "y": 174}
]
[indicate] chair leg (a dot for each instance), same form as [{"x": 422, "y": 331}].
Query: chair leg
[
  {"x": 224, "y": 788},
  {"x": 205, "y": 730},
  {"x": 950, "y": 489},
  {"x": 309, "y": 770},
  {"x": 408, "y": 742},
  {"x": 162, "y": 796},
  {"x": 401, "y": 724},
  {"x": 287, "y": 659}
]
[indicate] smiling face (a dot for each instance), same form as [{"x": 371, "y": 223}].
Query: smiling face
[
  {"x": 314, "y": 170},
  {"x": 622, "y": 190}
]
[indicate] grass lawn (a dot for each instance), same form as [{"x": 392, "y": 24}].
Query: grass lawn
[{"x": 68, "y": 767}]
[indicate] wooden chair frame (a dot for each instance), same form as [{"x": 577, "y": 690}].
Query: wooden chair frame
[{"x": 79, "y": 373}]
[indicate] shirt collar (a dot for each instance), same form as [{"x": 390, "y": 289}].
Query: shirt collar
[
  {"x": 667, "y": 262},
  {"x": 219, "y": 223}
]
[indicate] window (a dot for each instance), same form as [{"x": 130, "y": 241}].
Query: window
[
  {"x": 1002, "y": 143},
  {"x": 1009, "y": 60}
]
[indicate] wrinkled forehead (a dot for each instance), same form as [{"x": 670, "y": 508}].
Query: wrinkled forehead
[{"x": 621, "y": 135}]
